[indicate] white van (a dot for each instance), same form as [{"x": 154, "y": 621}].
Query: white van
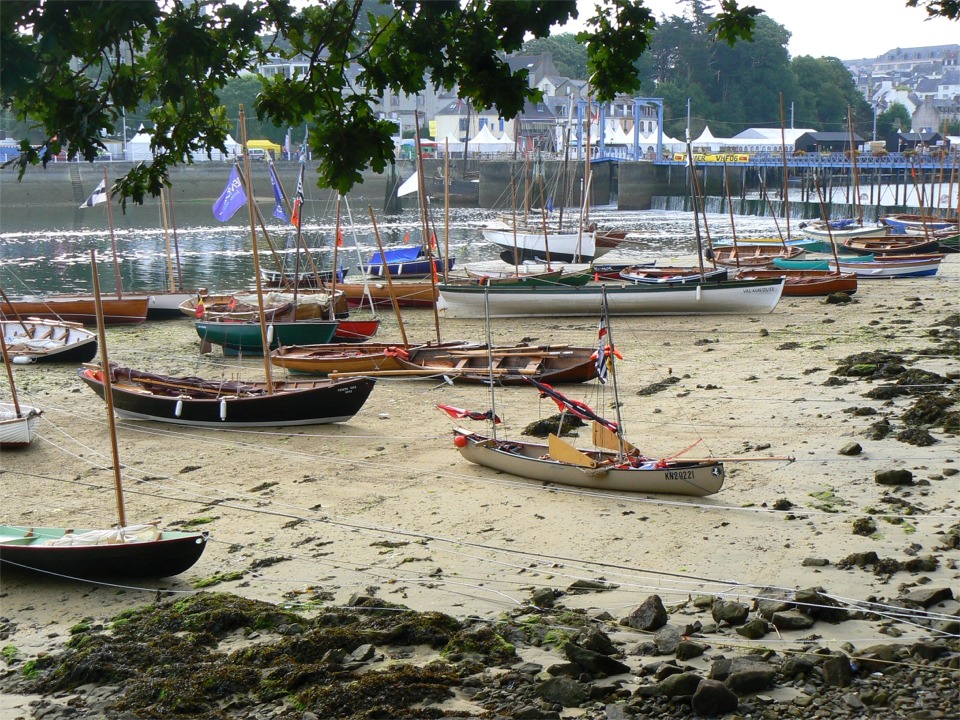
[{"x": 257, "y": 153}]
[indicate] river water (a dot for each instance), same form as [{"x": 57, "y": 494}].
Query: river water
[{"x": 219, "y": 256}]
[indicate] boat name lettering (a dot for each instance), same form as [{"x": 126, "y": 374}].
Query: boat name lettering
[
  {"x": 678, "y": 474},
  {"x": 770, "y": 288}
]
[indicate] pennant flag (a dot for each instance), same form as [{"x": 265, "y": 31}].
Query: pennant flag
[
  {"x": 298, "y": 200},
  {"x": 99, "y": 196},
  {"x": 575, "y": 407},
  {"x": 278, "y": 211},
  {"x": 460, "y": 413},
  {"x": 602, "y": 355},
  {"x": 232, "y": 199}
]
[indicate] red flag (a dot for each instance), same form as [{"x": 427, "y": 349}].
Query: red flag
[
  {"x": 406, "y": 238},
  {"x": 433, "y": 241},
  {"x": 198, "y": 311},
  {"x": 297, "y": 201},
  {"x": 339, "y": 238},
  {"x": 460, "y": 413}
]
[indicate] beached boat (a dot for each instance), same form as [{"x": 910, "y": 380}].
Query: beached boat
[
  {"x": 497, "y": 272},
  {"x": 229, "y": 403},
  {"x": 128, "y": 552},
  {"x": 276, "y": 279},
  {"x": 356, "y": 330},
  {"x": 806, "y": 283},
  {"x": 244, "y": 337},
  {"x": 904, "y": 222},
  {"x": 18, "y": 424},
  {"x": 33, "y": 340},
  {"x": 128, "y": 310},
  {"x": 613, "y": 464},
  {"x": 893, "y": 266},
  {"x": 345, "y": 358},
  {"x": 409, "y": 261},
  {"x": 839, "y": 230},
  {"x": 754, "y": 256},
  {"x": 892, "y": 245},
  {"x": 673, "y": 275},
  {"x": 503, "y": 365},
  {"x": 528, "y": 244},
  {"x": 733, "y": 296},
  {"x": 408, "y": 293}
]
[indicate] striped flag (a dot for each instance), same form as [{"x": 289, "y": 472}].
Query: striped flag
[
  {"x": 99, "y": 196},
  {"x": 602, "y": 354}
]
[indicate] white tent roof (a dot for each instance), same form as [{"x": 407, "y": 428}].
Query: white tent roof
[
  {"x": 706, "y": 137},
  {"x": 449, "y": 141},
  {"x": 484, "y": 141}
]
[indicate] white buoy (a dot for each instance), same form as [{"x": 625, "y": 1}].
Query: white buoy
[
  {"x": 269, "y": 334},
  {"x": 178, "y": 409},
  {"x": 699, "y": 292},
  {"x": 23, "y": 360},
  {"x": 223, "y": 409}
]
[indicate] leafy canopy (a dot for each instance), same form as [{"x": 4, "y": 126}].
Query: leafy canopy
[{"x": 75, "y": 67}]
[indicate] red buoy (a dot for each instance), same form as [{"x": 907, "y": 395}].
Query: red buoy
[{"x": 460, "y": 440}]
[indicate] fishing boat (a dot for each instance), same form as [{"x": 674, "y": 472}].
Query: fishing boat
[
  {"x": 613, "y": 463},
  {"x": 892, "y": 245},
  {"x": 33, "y": 340},
  {"x": 135, "y": 551},
  {"x": 732, "y": 296},
  {"x": 806, "y": 283},
  {"x": 894, "y": 266},
  {"x": 126, "y": 310},
  {"x": 229, "y": 403},
  {"x": 406, "y": 262}
]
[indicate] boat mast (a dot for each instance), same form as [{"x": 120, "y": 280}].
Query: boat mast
[
  {"x": 108, "y": 390},
  {"x": 783, "y": 155},
  {"x": 696, "y": 212},
  {"x": 605, "y": 318},
  {"x": 493, "y": 394},
  {"x": 386, "y": 274},
  {"x": 248, "y": 187},
  {"x": 424, "y": 215},
  {"x": 113, "y": 235}
]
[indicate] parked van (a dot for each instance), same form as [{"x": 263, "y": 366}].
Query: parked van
[{"x": 257, "y": 153}]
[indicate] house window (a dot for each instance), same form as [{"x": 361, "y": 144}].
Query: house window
[
  {"x": 420, "y": 101},
  {"x": 540, "y": 107},
  {"x": 463, "y": 125},
  {"x": 394, "y": 101}
]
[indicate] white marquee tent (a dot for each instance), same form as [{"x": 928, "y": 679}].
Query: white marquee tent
[{"x": 485, "y": 142}]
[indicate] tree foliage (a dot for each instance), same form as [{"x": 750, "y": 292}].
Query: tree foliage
[
  {"x": 894, "y": 117},
  {"x": 77, "y": 67}
]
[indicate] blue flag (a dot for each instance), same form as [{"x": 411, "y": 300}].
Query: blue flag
[
  {"x": 278, "y": 211},
  {"x": 232, "y": 199}
]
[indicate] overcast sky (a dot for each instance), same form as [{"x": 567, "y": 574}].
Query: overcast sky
[{"x": 847, "y": 29}]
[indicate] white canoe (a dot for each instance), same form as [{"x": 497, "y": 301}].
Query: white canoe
[{"x": 730, "y": 297}]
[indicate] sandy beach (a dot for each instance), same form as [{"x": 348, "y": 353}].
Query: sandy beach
[{"x": 384, "y": 505}]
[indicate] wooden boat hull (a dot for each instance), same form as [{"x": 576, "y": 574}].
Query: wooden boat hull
[
  {"x": 819, "y": 231},
  {"x": 172, "y": 554},
  {"x": 890, "y": 246},
  {"x": 165, "y": 305},
  {"x": 755, "y": 256},
  {"x": 356, "y": 331},
  {"x": 244, "y": 337},
  {"x": 673, "y": 275},
  {"x": 408, "y": 294},
  {"x": 556, "y": 364},
  {"x": 879, "y": 268},
  {"x": 807, "y": 283},
  {"x": 532, "y": 461},
  {"x": 129, "y": 310},
  {"x": 731, "y": 297},
  {"x": 42, "y": 341},
  {"x": 902, "y": 223},
  {"x": 183, "y": 401},
  {"x": 17, "y": 432},
  {"x": 347, "y": 357}
]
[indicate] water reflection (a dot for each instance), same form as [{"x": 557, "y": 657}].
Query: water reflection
[{"x": 220, "y": 257}]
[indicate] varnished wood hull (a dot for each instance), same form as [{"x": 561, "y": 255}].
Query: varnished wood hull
[
  {"x": 408, "y": 294},
  {"x": 129, "y": 310},
  {"x": 807, "y": 283}
]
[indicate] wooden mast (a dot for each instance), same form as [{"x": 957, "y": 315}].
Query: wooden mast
[
  {"x": 248, "y": 187},
  {"x": 108, "y": 390}
]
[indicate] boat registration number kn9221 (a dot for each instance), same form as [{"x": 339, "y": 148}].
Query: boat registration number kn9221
[{"x": 678, "y": 474}]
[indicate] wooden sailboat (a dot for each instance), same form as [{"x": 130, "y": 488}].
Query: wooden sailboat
[
  {"x": 33, "y": 340},
  {"x": 229, "y": 404},
  {"x": 614, "y": 464},
  {"x": 122, "y": 552}
]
